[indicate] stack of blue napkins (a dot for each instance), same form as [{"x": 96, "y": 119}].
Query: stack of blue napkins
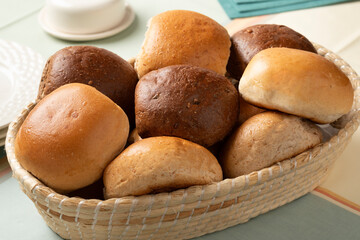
[{"x": 249, "y": 8}]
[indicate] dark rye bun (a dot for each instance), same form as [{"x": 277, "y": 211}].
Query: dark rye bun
[
  {"x": 187, "y": 102},
  {"x": 247, "y": 42},
  {"x": 97, "y": 67}
]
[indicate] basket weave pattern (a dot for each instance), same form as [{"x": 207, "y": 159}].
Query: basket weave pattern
[{"x": 194, "y": 211}]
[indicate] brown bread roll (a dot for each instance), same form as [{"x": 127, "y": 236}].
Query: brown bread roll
[
  {"x": 247, "y": 42},
  {"x": 265, "y": 139},
  {"x": 247, "y": 110},
  {"x": 297, "y": 82},
  {"x": 183, "y": 37},
  {"x": 187, "y": 102},
  {"x": 97, "y": 67},
  {"x": 159, "y": 164},
  {"x": 133, "y": 137},
  {"x": 70, "y": 136}
]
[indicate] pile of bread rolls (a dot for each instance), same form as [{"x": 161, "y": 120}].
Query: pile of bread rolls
[{"x": 176, "y": 118}]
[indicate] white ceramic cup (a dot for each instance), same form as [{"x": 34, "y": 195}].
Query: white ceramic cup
[{"x": 84, "y": 16}]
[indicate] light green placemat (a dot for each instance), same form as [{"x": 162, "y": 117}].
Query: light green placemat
[
  {"x": 14, "y": 10},
  {"x": 309, "y": 217}
]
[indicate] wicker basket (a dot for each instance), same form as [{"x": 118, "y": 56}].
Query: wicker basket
[{"x": 194, "y": 211}]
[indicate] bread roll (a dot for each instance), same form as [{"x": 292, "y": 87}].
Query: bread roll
[
  {"x": 160, "y": 164},
  {"x": 187, "y": 102},
  {"x": 183, "y": 37},
  {"x": 247, "y": 42},
  {"x": 297, "y": 82},
  {"x": 97, "y": 67},
  {"x": 133, "y": 137},
  {"x": 247, "y": 110},
  {"x": 265, "y": 139},
  {"x": 70, "y": 136}
]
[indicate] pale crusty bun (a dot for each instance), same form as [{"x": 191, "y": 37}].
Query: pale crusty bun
[
  {"x": 183, "y": 37},
  {"x": 70, "y": 136},
  {"x": 265, "y": 139},
  {"x": 159, "y": 164},
  {"x": 297, "y": 82}
]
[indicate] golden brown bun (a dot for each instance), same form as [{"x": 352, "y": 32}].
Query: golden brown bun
[
  {"x": 70, "y": 136},
  {"x": 185, "y": 101},
  {"x": 297, "y": 82},
  {"x": 97, "y": 67},
  {"x": 265, "y": 139},
  {"x": 183, "y": 37},
  {"x": 247, "y": 110},
  {"x": 246, "y": 43},
  {"x": 159, "y": 164}
]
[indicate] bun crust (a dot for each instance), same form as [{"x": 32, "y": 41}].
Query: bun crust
[
  {"x": 160, "y": 164},
  {"x": 247, "y": 42},
  {"x": 265, "y": 139},
  {"x": 184, "y": 37},
  {"x": 297, "y": 82},
  {"x": 133, "y": 137},
  {"x": 97, "y": 67},
  {"x": 247, "y": 110},
  {"x": 187, "y": 102},
  {"x": 70, "y": 136}
]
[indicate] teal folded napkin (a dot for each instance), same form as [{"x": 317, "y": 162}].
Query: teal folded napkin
[
  {"x": 261, "y": 5},
  {"x": 249, "y": 8}
]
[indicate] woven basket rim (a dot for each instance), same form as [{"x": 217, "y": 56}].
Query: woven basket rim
[{"x": 201, "y": 192}]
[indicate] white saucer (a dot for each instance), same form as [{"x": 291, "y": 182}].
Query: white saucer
[
  {"x": 20, "y": 73},
  {"x": 129, "y": 17}
]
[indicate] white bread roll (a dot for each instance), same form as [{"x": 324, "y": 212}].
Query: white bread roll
[
  {"x": 183, "y": 37},
  {"x": 70, "y": 136},
  {"x": 159, "y": 164},
  {"x": 297, "y": 82},
  {"x": 265, "y": 139}
]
